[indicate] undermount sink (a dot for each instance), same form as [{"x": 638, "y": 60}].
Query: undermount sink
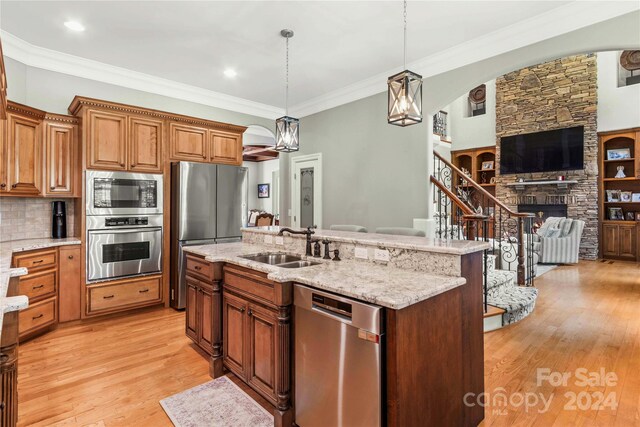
[
  {"x": 297, "y": 264},
  {"x": 279, "y": 260}
]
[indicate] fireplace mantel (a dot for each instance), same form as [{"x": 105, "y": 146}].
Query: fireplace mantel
[{"x": 520, "y": 185}]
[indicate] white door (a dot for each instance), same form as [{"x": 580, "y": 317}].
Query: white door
[{"x": 306, "y": 191}]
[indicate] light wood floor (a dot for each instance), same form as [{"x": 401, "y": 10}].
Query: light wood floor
[
  {"x": 587, "y": 316},
  {"x": 114, "y": 371}
]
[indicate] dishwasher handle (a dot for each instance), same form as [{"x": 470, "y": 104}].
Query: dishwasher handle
[
  {"x": 330, "y": 311},
  {"x": 342, "y": 309}
]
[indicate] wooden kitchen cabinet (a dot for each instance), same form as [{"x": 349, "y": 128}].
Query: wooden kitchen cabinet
[
  {"x": 200, "y": 314},
  {"x": 24, "y": 146},
  {"x": 234, "y": 334},
  {"x": 256, "y": 332},
  {"x": 188, "y": 142},
  {"x": 610, "y": 240},
  {"x": 3, "y": 87},
  {"x": 41, "y": 286},
  {"x": 225, "y": 148},
  {"x": 106, "y": 142},
  {"x": 61, "y": 169},
  {"x": 204, "y": 309},
  {"x": 145, "y": 145},
  {"x": 70, "y": 290},
  {"x": 262, "y": 342}
]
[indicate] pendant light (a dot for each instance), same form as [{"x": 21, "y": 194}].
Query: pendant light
[
  {"x": 287, "y": 128},
  {"x": 404, "y": 92}
]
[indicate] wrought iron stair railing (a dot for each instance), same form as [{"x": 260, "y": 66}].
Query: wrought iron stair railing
[{"x": 510, "y": 234}]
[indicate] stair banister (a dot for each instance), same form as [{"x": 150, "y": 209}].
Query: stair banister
[{"x": 518, "y": 223}]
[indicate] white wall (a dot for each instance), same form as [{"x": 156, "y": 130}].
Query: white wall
[
  {"x": 618, "y": 107},
  {"x": 473, "y": 132}
]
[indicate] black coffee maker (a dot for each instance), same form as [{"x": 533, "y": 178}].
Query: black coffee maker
[{"x": 59, "y": 220}]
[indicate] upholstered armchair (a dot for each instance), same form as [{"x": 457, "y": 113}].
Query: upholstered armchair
[{"x": 561, "y": 247}]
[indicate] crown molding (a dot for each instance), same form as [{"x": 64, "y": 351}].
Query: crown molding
[
  {"x": 558, "y": 21},
  {"x": 562, "y": 20},
  {"x": 39, "y": 57}
]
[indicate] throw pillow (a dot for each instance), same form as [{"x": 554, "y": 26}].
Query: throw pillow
[
  {"x": 565, "y": 226},
  {"x": 553, "y": 233},
  {"x": 550, "y": 223}
]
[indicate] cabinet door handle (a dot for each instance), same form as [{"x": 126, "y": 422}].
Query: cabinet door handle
[
  {"x": 197, "y": 267},
  {"x": 37, "y": 287},
  {"x": 37, "y": 262},
  {"x": 142, "y": 291},
  {"x": 108, "y": 296},
  {"x": 70, "y": 256},
  {"x": 37, "y": 317}
]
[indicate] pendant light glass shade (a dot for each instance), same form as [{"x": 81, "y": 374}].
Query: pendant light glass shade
[
  {"x": 287, "y": 134},
  {"x": 405, "y": 98}
]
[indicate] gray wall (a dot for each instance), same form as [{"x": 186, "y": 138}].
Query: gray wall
[
  {"x": 374, "y": 173},
  {"x": 53, "y": 92}
]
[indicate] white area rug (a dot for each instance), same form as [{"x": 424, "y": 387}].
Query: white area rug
[
  {"x": 217, "y": 403},
  {"x": 544, "y": 268}
]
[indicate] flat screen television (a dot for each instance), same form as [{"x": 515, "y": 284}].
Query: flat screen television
[{"x": 553, "y": 150}]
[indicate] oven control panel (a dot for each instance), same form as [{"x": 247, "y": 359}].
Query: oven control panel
[{"x": 123, "y": 221}]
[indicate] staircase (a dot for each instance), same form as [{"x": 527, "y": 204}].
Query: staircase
[{"x": 475, "y": 214}]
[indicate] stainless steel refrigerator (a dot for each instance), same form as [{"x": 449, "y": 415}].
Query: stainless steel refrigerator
[{"x": 208, "y": 206}]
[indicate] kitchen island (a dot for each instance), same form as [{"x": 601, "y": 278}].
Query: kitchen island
[{"x": 431, "y": 292}]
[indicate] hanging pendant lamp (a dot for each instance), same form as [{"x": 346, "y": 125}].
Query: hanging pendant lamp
[
  {"x": 287, "y": 128},
  {"x": 404, "y": 92}
]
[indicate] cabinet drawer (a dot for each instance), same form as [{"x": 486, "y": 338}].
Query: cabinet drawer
[
  {"x": 250, "y": 284},
  {"x": 39, "y": 315},
  {"x": 39, "y": 285},
  {"x": 110, "y": 297},
  {"x": 198, "y": 267},
  {"x": 39, "y": 259}
]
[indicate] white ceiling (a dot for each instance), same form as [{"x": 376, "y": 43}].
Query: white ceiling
[{"x": 336, "y": 44}]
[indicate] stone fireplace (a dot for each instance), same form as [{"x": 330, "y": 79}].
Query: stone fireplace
[{"x": 554, "y": 95}]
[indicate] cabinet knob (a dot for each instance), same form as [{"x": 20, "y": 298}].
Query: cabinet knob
[
  {"x": 250, "y": 313},
  {"x": 70, "y": 256},
  {"x": 14, "y": 185},
  {"x": 242, "y": 310},
  {"x": 198, "y": 268},
  {"x": 3, "y": 185}
]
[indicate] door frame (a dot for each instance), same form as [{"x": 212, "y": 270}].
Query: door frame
[{"x": 316, "y": 161}]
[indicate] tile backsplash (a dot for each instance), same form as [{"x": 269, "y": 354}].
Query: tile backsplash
[{"x": 29, "y": 218}]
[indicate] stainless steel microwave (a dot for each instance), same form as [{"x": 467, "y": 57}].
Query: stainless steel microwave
[{"x": 123, "y": 193}]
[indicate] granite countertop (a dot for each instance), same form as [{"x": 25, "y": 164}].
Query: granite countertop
[
  {"x": 443, "y": 246},
  {"x": 7, "y": 249},
  {"x": 386, "y": 286}
]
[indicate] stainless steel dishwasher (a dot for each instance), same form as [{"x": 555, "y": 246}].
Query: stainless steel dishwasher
[{"x": 338, "y": 360}]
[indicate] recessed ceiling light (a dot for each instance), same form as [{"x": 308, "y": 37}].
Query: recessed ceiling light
[
  {"x": 74, "y": 26},
  {"x": 230, "y": 73}
]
